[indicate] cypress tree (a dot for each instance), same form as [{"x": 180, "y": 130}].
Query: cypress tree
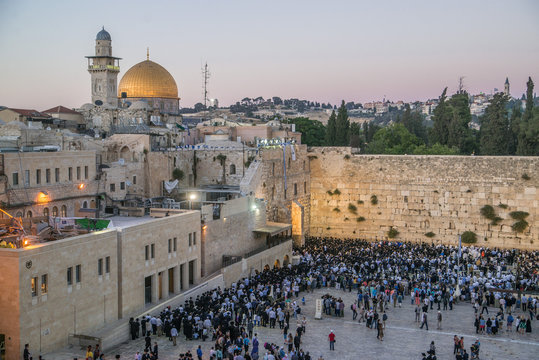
[
  {"x": 331, "y": 130},
  {"x": 442, "y": 116},
  {"x": 494, "y": 133},
  {"x": 342, "y": 134},
  {"x": 528, "y": 138}
]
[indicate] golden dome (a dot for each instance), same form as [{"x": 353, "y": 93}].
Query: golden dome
[{"x": 148, "y": 79}]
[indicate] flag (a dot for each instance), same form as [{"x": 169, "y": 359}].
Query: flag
[{"x": 180, "y": 127}]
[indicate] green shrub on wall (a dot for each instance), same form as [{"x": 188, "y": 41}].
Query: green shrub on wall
[
  {"x": 352, "y": 208},
  {"x": 503, "y": 206},
  {"x": 525, "y": 176},
  {"x": 374, "y": 199},
  {"x": 360, "y": 202},
  {"x": 430, "y": 234},
  {"x": 519, "y": 215},
  {"x": 487, "y": 211},
  {"x": 520, "y": 226},
  {"x": 496, "y": 220},
  {"x": 336, "y": 192},
  {"x": 329, "y": 192},
  {"x": 392, "y": 233},
  {"x": 360, "y": 219},
  {"x": 468, "y": 237},
  {"x": 337, "y": 210}
]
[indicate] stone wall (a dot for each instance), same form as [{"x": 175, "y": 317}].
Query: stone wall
[{"x": 421, "y": 194}]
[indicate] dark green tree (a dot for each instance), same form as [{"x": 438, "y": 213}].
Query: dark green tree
[
  {"x": 514, "y": 127},
  {"x": 313, "y": 132},
  {"x": 356, "y": 136},
  {"x": 342, "y": 133},
  {"x": 528, "y": 138},
  {"x": 394, "y": 139},
  {"x": 494, "y": 134},
  {"x": 413, "y": 121},
  {"x": 442, "y": 116},
  {"x": 331, "y": 129},
  {"x": 459, "y": 132}
]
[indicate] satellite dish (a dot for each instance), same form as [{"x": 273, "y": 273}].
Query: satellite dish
[{"x": 98, "y": 102}]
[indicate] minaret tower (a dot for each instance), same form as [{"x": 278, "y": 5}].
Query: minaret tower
[
  {"x": 506, "y": 88},
  {"x": 104, "y": 69}
]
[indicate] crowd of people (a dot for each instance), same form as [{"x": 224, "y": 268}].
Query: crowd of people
[{"x": 382, "y": 274}]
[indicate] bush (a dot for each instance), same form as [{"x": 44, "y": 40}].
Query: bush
[
  {"x": 525, "y": 176},
  {"x": 352, "y": 208},
  {"x": 346, "y": 157},
  {"x": 330, "y": 193},
  {"x": 503, "y": 206},
  {"x": 374, "y": 199},
  {"x": 518, "y": 215},
  {"x": 346, "y": 219},
  {"x": 360, "y": 202},
  {"x": 337, "y": 210},
  {"x": 392, "y": 233},
  {"x": 496, "y": 220},
  {"x": 360, "y": 219},
  {"x": 178, "y": 174},
  {"x": 468, "y": 237},
  {"x": 520, "y": 226},
  {"x": 430, "y": 234},
  {"x": 488, "y": 212},
  {"x": 336, "y": 192}
]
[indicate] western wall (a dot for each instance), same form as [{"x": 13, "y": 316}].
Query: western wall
[{"x": 363, "y": 196}]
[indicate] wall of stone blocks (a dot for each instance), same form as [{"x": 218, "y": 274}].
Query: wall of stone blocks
[
  {"x": 10, "y": 299},
  {"x": 421, "y": 194},
  {"x": 232, "y": 234},
  {"x": 246, "y": 267}
]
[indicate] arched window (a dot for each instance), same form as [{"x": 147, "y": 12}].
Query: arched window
[
  {"x": 54, "y": 211},
  {"x": 232, "y": 169},
  {"x": 85, "y": 205},
  {"x": 28, "y": 214},
  {"x": 19, "y": 214},
  {"x": 63, "y": 212},
  {"x": 46, "y": 212}
]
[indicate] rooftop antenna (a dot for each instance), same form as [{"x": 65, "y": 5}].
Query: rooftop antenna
[
  {"x": 148, "y": 53},
  {"x": 461, "y": 85},
  {"x": 206, "y": 74}
]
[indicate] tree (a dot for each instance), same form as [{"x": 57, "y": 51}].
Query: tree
[
  {"x": 413, "y": 121},
  {"x": 356, "y": 136},
  {"x": 342, "y": 133},
  {"x": 313, "y": 132},
  {"x": 494, "y": 134},
  {"x": 528, "y": 138},
  {"x": 442, "y": 116},
  {"x": 331, "y": 130},
  {"x": 514, "y": 126},
  {"x": 394, "y": 139},
  {"x": 459, "y": 132},
  {"x": 277, "y": 100}
]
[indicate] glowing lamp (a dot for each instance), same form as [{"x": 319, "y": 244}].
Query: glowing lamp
[
  {"x": 81, "y": 186},
  {"x": 43, "y": 197}
]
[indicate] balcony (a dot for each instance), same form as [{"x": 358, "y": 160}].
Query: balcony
[{"x": 104, "y": 67}]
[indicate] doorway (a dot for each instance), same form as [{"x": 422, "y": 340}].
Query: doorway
[
  {"x": 171, "y": 280},
  {"x": 160, "y": 285},
  {"x": 182, "y": 271},
  {"x": 147, "y": 289},
  {"x": 192, "y": 272}
]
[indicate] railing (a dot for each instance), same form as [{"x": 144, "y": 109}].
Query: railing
[
  {"x": 103, "y": 67},
  {"x": 232, "y": 259}
]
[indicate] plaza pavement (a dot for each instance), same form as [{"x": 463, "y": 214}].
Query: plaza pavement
[{"x": 403, "y": 338}]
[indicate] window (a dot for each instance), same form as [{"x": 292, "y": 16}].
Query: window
[
  {"x": 78, "y": 172},
  {"x": 70, "y": 276},
  {"x": 169, "y": 246},
  {"x": 122, "y": 185},
  {"x": 112, "y": 187},
  {"x": 26, "y": 177},
  {"x": 15, "y": 179},
  {"x": 57, "y": 175},
  {"x": 273, "y": 169},
  {"x": 34, "y": 286},
  {"x": 152, "y": 251},
  {"x": 77, "y": 273},
  {"x": 190, "y": 239},
  {"x": 63, "y": 211},
  {"x": 232, "y": 169},
  {"x": 44, "y": 284},
  {"x": 174, "y": 244},
  {"x": 305, "y": 187},
  {"x": 194, "y": 238},
  {"x": 38, "y": 176},
  {"x": 273, "y": 193},
  {"x": 85, "y": 205},
  {"x": 48, "y": 176},
  {"x": 86, "y": 172},
  {"x": 28, "y": 214},
  {"x": 107, "y": 264},
  {"x": 70, "y": 173},
  {"x": 134, "y": 179},
  {"x": 54, "y": 211},
  {"x": 295, "y": 189},
  {"x": 285, "y": 193},
  {"x": 46, "y": 212},
  {"x": 147, "y": 252},
  {"x": 100, "y": 267}
]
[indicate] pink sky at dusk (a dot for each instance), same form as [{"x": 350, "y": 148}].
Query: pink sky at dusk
[{"x": 317, "y": 50}]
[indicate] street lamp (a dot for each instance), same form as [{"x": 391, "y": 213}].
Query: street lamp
[{"x": 192, "y": 197}]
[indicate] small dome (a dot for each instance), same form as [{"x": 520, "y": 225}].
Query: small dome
[{"x": 103, "y": 35}]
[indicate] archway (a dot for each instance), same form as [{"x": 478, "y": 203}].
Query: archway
[
  {"x": 54, "y": 211},
  {"x": 85, "y": 205},
  {"x": 63, "y": 211},
  {"x": 28, "y": 214},
  {"x": 277, "y": 264},
  {"x": 232, "y": 169},
  {"x": 124, "y": 153},
  {"x": 92, "y": 204},
  {"x": 45, "y": 211},
  {"x": 286, "y": 260}
]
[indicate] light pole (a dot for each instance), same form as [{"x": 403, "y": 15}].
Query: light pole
[{"x": 192, "y": 197}]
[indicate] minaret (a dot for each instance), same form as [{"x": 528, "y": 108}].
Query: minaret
[
  {"x": 104, "y": 69},
  {"x": 506, "y": 88}
]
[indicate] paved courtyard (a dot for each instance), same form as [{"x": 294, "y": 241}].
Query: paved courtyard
[{"x": 403, "y": 338}]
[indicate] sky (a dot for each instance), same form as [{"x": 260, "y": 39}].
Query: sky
[{"x": 324, "y": 51}]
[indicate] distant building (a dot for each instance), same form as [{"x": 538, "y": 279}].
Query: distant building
[{"x": 506, "y": 88}]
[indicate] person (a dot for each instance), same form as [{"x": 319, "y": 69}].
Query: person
[
  {"x": 155, "y": 350},
  {"x": 455, "y": 344},
  {"x": 424, "y": 322},
  {"x": 26, "y": 353},
  {"x": 439, "y": 320},
  {"x": 89, "y": 353},
  {"x": 199, "y": 353},
  {"x": 174, "y": 335},
  {"x": 331, "y": 338}
]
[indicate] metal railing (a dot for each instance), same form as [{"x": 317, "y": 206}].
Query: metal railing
[{"x": 232, "y": 259}]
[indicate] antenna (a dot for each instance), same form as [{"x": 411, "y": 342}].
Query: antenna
[
  {"x": 461, "y": 85},
  {"x": 206, "y": 74}
]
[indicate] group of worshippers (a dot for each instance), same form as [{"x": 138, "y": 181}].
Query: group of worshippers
[{"x": 381, "y": 272}]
